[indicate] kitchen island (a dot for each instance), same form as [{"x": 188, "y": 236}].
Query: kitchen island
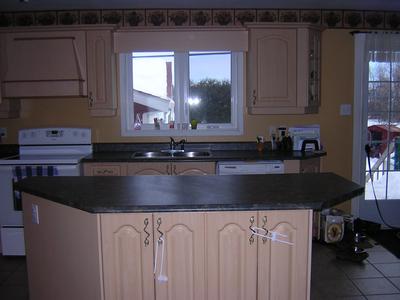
[{"x": 174, "y": 237}]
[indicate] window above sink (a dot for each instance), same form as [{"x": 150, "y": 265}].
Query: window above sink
[{"x": 175, "y": 88}]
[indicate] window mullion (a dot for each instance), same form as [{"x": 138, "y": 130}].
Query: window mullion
[{"x": 182, "y": 86}]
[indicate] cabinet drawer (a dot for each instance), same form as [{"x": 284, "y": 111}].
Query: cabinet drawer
[{"x": 105, "y": 170}]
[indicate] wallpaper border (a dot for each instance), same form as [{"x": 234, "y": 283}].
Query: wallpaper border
[{"x": 354, "y": 19}]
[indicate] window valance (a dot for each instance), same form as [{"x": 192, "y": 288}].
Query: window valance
[{"x": 204, "y": 39}]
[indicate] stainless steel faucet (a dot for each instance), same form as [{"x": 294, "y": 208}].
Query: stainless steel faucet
[{"x": 173, "y": 144}]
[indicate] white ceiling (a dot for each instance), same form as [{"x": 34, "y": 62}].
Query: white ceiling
[{"x": 26, "y": 5}]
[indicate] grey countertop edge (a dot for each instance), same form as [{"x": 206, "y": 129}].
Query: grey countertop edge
[{"x": 197, "y": 208}]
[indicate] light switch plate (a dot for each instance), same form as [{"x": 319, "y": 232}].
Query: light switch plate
[
  {"x": 3, "y": 132},
  {"x": 35, "y": 214},
  {"x": 345, "y": 109}
]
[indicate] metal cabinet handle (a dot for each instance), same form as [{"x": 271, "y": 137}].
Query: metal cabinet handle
[
  {"x": 264, "y": 220},
  {"x": 251, "y": 239},
  {"x": 168, "y": 170},
  {"x": 103, "y": 172},
  {"x": 174, "y": 170},
  {"x": 91, "y": 100},
  {"x": 254, "y": 97},
  {"x": 159, "y": 231},
  {"x": 146, "y": 240}
]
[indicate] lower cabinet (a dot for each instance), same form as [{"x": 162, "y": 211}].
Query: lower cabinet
[
  {"x": 206, "y": 255},
  {"x": 285, "y": 270},
  {"x": 127, "y": 251},
  {"x": 171, "y": 168},
  {"x": 172, "y": 267},
  {"x": 104, "y": 169},
  {"x": 231, "y": 257},
  {"x": 311, "y": 165}
]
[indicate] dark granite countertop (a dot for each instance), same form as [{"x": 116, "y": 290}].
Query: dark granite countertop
[
  {"x": 194, "y": 193},
  {"x": 7, "y": 150},
  {"x": 216, "y": 155}
]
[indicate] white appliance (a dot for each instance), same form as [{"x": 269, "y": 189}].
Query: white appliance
[
  {"x": 250, "y": 167},
  {"x": 42, "y": 152},
  {"x": 307, "y": 137}
]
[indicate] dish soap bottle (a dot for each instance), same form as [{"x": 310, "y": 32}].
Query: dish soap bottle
[{"x": 138, "y": 123}]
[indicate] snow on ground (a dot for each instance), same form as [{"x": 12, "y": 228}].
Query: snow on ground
[
  {"x": 380, "y": 181},
  {"x": 380, "y": 187}
]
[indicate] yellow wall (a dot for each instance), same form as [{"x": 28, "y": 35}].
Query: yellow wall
[{"x": 336, "y": 130}]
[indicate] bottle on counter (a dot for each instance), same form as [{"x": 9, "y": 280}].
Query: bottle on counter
[{"x": 138, "y": 123}]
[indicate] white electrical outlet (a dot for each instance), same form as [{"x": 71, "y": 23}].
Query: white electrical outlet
[
  {"x": 35, "y": 214},
  {"x": 3, "y": 132},
  {"x": 345, "y": 109}
]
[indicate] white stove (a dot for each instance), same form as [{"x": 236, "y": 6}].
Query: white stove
[{"x": 42, "y": 152}]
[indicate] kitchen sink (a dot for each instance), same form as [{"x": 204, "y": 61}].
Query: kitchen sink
[
  {"x": 151, "y": 154},
  {"x": 162, "y": 154},
  {"x": 192, "y": 154}
]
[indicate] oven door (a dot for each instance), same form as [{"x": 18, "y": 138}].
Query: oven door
[{"x": 11, "y": 234}]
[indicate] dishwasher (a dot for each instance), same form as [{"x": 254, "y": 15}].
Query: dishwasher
[{"x": 250, "y": 167}]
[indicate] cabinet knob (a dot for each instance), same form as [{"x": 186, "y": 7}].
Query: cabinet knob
[{"x": 91, "y": 100}]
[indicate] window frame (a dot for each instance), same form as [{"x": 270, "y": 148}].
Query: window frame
[{"x": 182, "y": 84}]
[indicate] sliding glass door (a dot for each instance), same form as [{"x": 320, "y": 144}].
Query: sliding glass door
[{"x": 377, "y": 126}]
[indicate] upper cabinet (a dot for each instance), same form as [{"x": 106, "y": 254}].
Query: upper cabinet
[
  {"x": 60, "y": 62},
  {"x": 101, "y": 73},
  {"x": 283, "y": 69},
  {"x": 44, "y": 64}
]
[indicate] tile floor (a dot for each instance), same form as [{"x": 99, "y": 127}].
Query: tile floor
[{"x": 378, "y": 277}]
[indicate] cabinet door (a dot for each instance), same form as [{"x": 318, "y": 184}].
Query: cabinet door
[
  {"x": 127, "y": 245},
  {"x": 104, "y": 169},
  {"x": 193, "y": 168},
  {"x": 231, "y": 256},
  {"x": 10, "y": 108},
  {"x": 311, "y": 165},
  {"x": 151, "y": 168},
  {"x": 101, "y": 73},
  {"x": 184, "y": 256},
  {"x": 272, "y": 65},
  {"x": 284, "y": 270}
]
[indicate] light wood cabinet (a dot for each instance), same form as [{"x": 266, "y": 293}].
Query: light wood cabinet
[
  {"x": 231, "y": 256},
  {"x": 104, "y": 169},
  {"x": 101, "y": 73},
  {"x": 171, "y": 168},
  {"x": 183, "y": 236},
  {"x": 10, "y": 108},
  {"x": 283, "y": 69},
  {"x": 127, "y": 256},
  {"x": 311, "y": 165},
  {"x": 284, "y": 270},
  {"x": 272, "y": 68},
  {"x": 203, "y": 255},
  {"x": 150, "y": 168}
]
